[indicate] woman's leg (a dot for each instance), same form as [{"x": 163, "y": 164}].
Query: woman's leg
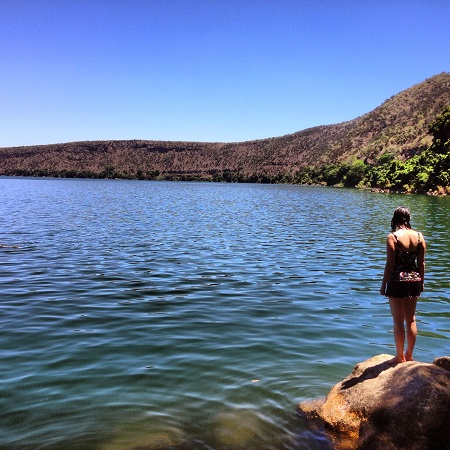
[
  {"x": 411, "y": 326},
  {"x": 398, "y": 315}
]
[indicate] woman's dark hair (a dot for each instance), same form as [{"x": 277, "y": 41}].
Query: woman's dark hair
[{"x": 401, "y": 218}]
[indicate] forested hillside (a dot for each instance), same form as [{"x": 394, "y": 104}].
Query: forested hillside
[{"x": 349, "y": 153}]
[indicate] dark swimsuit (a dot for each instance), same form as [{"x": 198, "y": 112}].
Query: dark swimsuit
[{"x": 405, "y": 281}]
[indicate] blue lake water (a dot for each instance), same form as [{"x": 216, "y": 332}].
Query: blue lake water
[{"x": 194, "y": 315}]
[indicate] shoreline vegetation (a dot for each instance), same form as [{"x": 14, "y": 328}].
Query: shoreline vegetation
[
  {"x": 403, "y": 146},
  {"x": 228, "y": 178}
]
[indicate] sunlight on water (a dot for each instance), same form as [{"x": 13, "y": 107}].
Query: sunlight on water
[{"x": 194, "y": 315}]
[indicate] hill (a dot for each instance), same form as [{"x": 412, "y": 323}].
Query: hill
[{"x": 400, "y": 126}]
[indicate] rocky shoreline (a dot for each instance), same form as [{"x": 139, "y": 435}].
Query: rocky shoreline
[{"x": 386, "y": 406}]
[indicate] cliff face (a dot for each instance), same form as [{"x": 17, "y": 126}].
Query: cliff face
[{"x": 399, "y": 126}]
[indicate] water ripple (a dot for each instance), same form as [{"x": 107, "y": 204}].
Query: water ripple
[{"x": 193, "y": 316}]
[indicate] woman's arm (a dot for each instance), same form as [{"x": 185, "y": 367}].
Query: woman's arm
[
  {"x": 390, "y": 260},
  {"x": 421, "y": 258}
]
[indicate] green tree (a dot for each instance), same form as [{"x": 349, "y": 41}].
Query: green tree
[
  {"x": 440, "y": 129},
  {"x": 355, "y": 174}
]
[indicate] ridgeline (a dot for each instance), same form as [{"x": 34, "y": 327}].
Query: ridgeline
[{"x": 366, "y": 151}]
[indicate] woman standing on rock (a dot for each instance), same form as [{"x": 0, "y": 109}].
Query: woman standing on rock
[{"x": 403, "y": 280}]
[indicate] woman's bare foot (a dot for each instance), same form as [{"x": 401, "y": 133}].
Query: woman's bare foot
[
  {"x": 409, "y": 357},
  {"x": 397, "y": 360}
]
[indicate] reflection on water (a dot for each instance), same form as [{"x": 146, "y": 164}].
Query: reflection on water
[{"x": 194, "y": 315}]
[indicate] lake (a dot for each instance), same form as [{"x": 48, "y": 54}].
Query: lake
[{"x": 144, "y": 315}]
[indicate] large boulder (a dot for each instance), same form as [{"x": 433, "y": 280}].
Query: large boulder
[{"x": 382, "y": 405}]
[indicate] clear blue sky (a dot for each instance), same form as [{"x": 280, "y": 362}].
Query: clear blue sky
[{"x": 207, "y": 70}]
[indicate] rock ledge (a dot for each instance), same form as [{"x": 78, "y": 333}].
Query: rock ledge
[{"x": 386, "y": 406}]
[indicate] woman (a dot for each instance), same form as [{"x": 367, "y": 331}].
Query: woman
[{"x": 403, "y": 280}]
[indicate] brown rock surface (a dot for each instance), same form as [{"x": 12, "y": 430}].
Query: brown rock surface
[{"x": 389, "y": 406}]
